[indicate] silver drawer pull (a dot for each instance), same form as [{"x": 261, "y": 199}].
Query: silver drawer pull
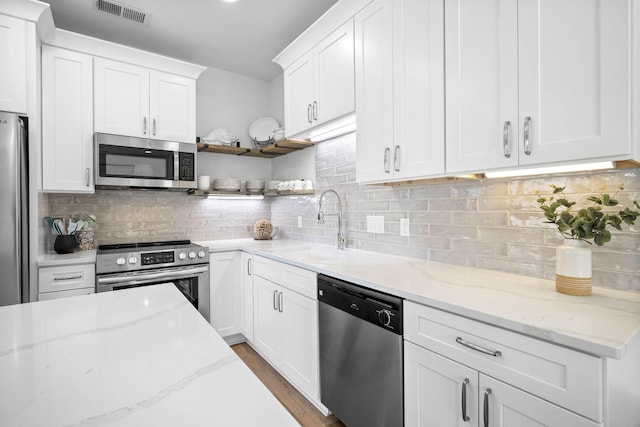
[
  {"x": 505, "y": 139},
  {"x": 465, "y": 417},
  {"x": 495, "y": 353},
  {"x": 487, "y": 392},
  {"x": 79, "y": 276},
  {"x": 387, "y": 153},
  {"x": 527, "y": 135}
]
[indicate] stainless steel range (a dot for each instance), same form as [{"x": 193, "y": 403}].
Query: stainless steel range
[{"x": 180, "y": 262}]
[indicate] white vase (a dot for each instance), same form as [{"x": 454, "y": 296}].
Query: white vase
[{"x": 573, "y": 268}]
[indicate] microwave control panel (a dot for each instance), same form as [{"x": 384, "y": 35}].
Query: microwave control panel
[{"x": 187, "y": 167}]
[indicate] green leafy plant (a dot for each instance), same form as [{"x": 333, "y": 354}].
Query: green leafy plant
[{"x": 588, "y": 223}]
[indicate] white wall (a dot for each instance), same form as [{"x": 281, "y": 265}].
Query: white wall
[
  {"x": 231, "y": 101},
  {"x": 276, "y": 95}
]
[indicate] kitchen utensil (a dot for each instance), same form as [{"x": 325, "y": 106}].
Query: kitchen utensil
[
  {"x": 80, "y": 225},
  {"x": 262, "y": 129},
  {"x": 72, "y": 227},
  {"x": 60, "y": 226}
]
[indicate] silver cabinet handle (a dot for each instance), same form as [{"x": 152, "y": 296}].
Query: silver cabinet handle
[
  {"x": 396, "y": 158},
  {"x": 86, "y": 177},
  {"x": 465, "y": 417},
  {"x": 387, "y": 152},
  {"x": 280, "y": 302},
  {"x": 505, "y": 139},
  {"x": 79, "y": 276},
  {"x": 487, "y": 392},
  {"x": 527, "y": 131},
  {"x": 495, "y": 353},
  {"x": 153, "y": 126},
  {"x": 275, "y": 300},
  {"x": 249, "y": 267},
  {"x": 315, "y": 110},
  {"x": 309, "y": 113},
  {"x": 144, "y": 125}
]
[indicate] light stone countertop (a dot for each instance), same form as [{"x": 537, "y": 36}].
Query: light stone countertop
[
  {"x": 603, "y": 324},
  {"x": 137, "y": 357},
  {"x": 74, "y": 258}
]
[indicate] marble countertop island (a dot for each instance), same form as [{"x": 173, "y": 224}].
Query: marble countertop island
[
  {"x": 605, "y": 323},
  {"x": 137, "y": 357}
]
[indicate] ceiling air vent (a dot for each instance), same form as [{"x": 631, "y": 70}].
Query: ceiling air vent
[{"x": 122, "y": 10}]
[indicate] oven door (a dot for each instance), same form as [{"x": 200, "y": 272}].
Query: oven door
[{"x": 192, "y": 281}]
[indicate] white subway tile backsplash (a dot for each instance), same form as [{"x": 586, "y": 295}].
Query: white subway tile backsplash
[{"x": 494, "y": 224}]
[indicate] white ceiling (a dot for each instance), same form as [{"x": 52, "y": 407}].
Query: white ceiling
[{"x": 241, "y": 37}]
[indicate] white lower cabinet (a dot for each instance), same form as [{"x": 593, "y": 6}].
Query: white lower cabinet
[
  {"x": 457, "y": 367},
  {"x": 246, "y": 295},
  {"x": 224, "y": 292},
  {"x": 66, "y": 281},
  {"x": 286, "y": 324},
  {"x": 441, "y": 392}
]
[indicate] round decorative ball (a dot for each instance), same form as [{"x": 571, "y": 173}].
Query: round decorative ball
[{"x": 263, "y": 229}]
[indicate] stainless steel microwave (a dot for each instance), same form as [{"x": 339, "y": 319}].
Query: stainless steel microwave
[{"x": 124, "y": 161}]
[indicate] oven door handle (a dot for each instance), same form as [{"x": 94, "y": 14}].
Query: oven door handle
[{"x": 139, "y": 278}]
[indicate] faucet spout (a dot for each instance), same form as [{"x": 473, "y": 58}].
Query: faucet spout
[{"x": 341, "y": 239}]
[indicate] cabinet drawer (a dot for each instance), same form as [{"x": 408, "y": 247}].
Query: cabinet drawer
[
  {"x": 53, "y": 279},
  {"x": 64, "y": 294},
  {"x": 566, "y": 377},
  {"x": 294, "y": 278}
]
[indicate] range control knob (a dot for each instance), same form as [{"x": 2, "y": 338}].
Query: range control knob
[
  {"x": 133, "y": 260},
  {"x": 182, "y": 255},
  {"x": 201, "y": 254},
  {"x": 121, "y": 261},
  {"x": 384, "y": 317},
  {"x": 192, "y": 255}
]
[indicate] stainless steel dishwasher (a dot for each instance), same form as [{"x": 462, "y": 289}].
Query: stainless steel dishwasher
[{"x": 361, "y": 359}]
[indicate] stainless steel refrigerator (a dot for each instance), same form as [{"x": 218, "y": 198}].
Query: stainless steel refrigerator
[{"x": 14, "y": 211}]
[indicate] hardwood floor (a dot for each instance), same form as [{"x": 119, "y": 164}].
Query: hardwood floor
[{"x": 303, "y": 411}]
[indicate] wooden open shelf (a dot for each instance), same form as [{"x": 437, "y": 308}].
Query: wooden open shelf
[
  {"x": 274, "y": 150},
  {"x": 239, "y": 194}
]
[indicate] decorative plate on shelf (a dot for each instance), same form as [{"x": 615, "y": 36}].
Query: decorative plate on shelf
[{"x": 262, "y": 129}]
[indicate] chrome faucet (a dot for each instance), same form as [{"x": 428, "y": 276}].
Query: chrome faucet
[{"x": 341, "y": 239}]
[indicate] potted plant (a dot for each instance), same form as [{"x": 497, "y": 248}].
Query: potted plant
[{"x": 580, "y": 228}]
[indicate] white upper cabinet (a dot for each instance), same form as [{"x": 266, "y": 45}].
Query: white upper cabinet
[
  {"x": 536, "y": 82},
  {"x": 319, "y": 87},
  {"x": 399, "y": 90},
  {"x": 374, "y": 90},
  {"x": 13, "y": 65},
  {"x": 135, "y": 101},
  {"x": 67, "y": 121}
]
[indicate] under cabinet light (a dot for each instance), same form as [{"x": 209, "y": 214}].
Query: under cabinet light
[
  {"x": 550, "y": 169},
  {"x": 238, "y": 197},
  {"x": 335, "y": 128}
]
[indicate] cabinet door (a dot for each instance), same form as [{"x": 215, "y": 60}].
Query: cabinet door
[
  {"x": 300, "y": 354},
  {"x": 481, "y": 84},
  {"x": 298, "y": 95},
  {"x": 172, "y": 107},
  {"x": 574, "y": 79},
  {"x": 502, "y": 405},
  {"x": 419, "y": 88},
  {"x": 13, "y": 65},
  {"x": 225, "y": 292},
  {"x": 433, "y": 390},
  {"x": 67, "y": 121},
  {"x": 374, "y": 91},
  {"x": 335, "y": 78},
  {"x": 121, "y": 98},
  {"x": 267, "y": 326},
  {"x": 246, "y": 296}
]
